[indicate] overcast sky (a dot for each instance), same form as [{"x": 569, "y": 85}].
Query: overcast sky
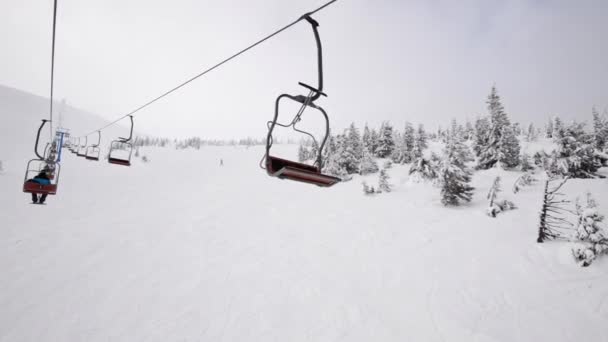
[{"x": 422, "y": 61}]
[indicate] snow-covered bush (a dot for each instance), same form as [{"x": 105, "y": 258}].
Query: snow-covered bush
[
  {"x": 423, "y": 170},
  {"x": 525, "y": 165},
  {"x": 590, "y": 232},
  {"x": 145, "y": 159},
  {"x": 387, "y": 164},
  {"x": 368, "y": 190}
]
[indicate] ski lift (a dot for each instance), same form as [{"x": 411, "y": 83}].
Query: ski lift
[
  {"x": 36, "y": 166},
  {"x": 93, "y": 151},
  {"x": 82, "y": 149},
  {"x": 287, "y": 169},
  {"x": 121, "y": 149}
]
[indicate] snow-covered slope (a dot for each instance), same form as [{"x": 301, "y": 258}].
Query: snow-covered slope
[
  {"x": 20, "y": 117},
  {"x": 181, "y": 249}
]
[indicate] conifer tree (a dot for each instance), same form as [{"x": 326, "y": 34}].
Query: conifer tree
[
  {"x": 482, "y": 135},
  {"x": 302, "y": 153},
  {"x": 454, "y": 175},
  {"x": 368, "y": 164},
  {"x": 383, "y": 182},
  {"x": 502, "y": 147},
  {"x": 386, "y": 144},
  {"x": 367, "y": 139},
  {"x": 549, "y": 129},
  {"x": 600, "y": 130},
  {"x": 575, "y": 154},
  {"x": 558, "y": 129}
]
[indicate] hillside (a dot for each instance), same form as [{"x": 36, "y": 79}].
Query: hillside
[{"x": 182, "y": 249}]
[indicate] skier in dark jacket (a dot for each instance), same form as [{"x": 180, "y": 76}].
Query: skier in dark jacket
[{"x": 42, "y": 178}]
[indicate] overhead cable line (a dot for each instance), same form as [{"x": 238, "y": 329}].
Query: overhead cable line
[
  {"x": 52, "y": 68},
  {"x": 203, "y": 73}
]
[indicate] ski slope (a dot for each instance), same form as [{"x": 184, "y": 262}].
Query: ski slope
[{"x": 183, "y": 249}]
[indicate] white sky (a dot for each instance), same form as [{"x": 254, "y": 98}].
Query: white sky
[{"x": 421, "y": 61}]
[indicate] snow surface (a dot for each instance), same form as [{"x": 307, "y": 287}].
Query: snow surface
[{"x": 181, "y": 249}]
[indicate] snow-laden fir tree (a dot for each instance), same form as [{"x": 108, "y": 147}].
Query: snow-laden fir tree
[
  {"x": 575, "y": 155},
  {"x": 386, "y": 144},
  {"x": 469, "y": 131},
  {"x": 402, "y": 153},
  {"x": 302, "y": 153},
  {"x": 525, "y": 164},
  {"x": 375, "y": 142},
  {"x": 367, "y": 139},
  {"x": 352, "y": 150},
  {"x": 384, "y": 182},
  {"x": 368, "y": 164},
  {"x": 454, "y": 175},
  {"x": 502, "y": 148},
  {"x": 531, "y": 134},
  {"x": 590, "y": 232},
  {"x": 493, "y": 209},
  {"x": 558, "y": 128},
  {"x": 481, "y": 138},
  {"x": 549, "y": 129},
  {"x": 423, "y": 170},
  {"x": 600, "y": 130}
]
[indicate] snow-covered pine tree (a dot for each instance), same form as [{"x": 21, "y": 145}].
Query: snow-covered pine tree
[
  {"x": 386, "y": 144},
  {"x": 469, "y": 131},
  {"x": 525, "y": 164},
  {"x": 503, "y": 146},
  {"x": 314, "y": 150},
  {"x": 422, "y": 170},
  {"x": 509, "y": 148},
  {"x": 531, "y": 133},
  {"x": 554, "y": 222},
  {"x": 352, "y": 150},
  {"x": 482, "y": 135},
  {"x": 368, "y": 164},
  {"x": 558, "y": 128},
  {"x": 384, "y": 182},
  {"x": 1, "y": 166},
  {"x": 493, "y": 209},
  {"x": 549, "y": 129},
  {"x": 374, "y": 141},
  {"x": 600, "y": 130},
  {"x": 402, "y": 154},
  {"x": 421, "y": 137},
  {"x": 302, "y": 153},
  {"x": 454, "y": 175},
  {"x": 575, "y": 155},
  {"x": 367, "y": 139}
]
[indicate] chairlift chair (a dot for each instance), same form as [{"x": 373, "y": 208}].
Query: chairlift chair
[
  {"x": 287, "y": 169},
  {"x": 82, "y": 149},
  {"x": 35, "y": 166},
  {"x": 93, "y": 151},
  {"x": 121, "y": 144}
]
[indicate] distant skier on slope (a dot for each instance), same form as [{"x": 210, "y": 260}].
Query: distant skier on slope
[{"x": 42, "y": 178}]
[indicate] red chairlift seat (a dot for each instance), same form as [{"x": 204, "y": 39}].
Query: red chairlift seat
[
  {"x": 286, "y": 169},
  {"x": 36, "y": 188}
]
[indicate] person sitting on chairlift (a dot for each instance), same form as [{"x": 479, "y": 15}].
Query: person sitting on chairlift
[{"x": 44, "y": 178}]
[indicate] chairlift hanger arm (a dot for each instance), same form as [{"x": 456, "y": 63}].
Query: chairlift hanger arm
[
  {"x": 124, "y": 140},
  {"x": 44, "y": 121}
]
